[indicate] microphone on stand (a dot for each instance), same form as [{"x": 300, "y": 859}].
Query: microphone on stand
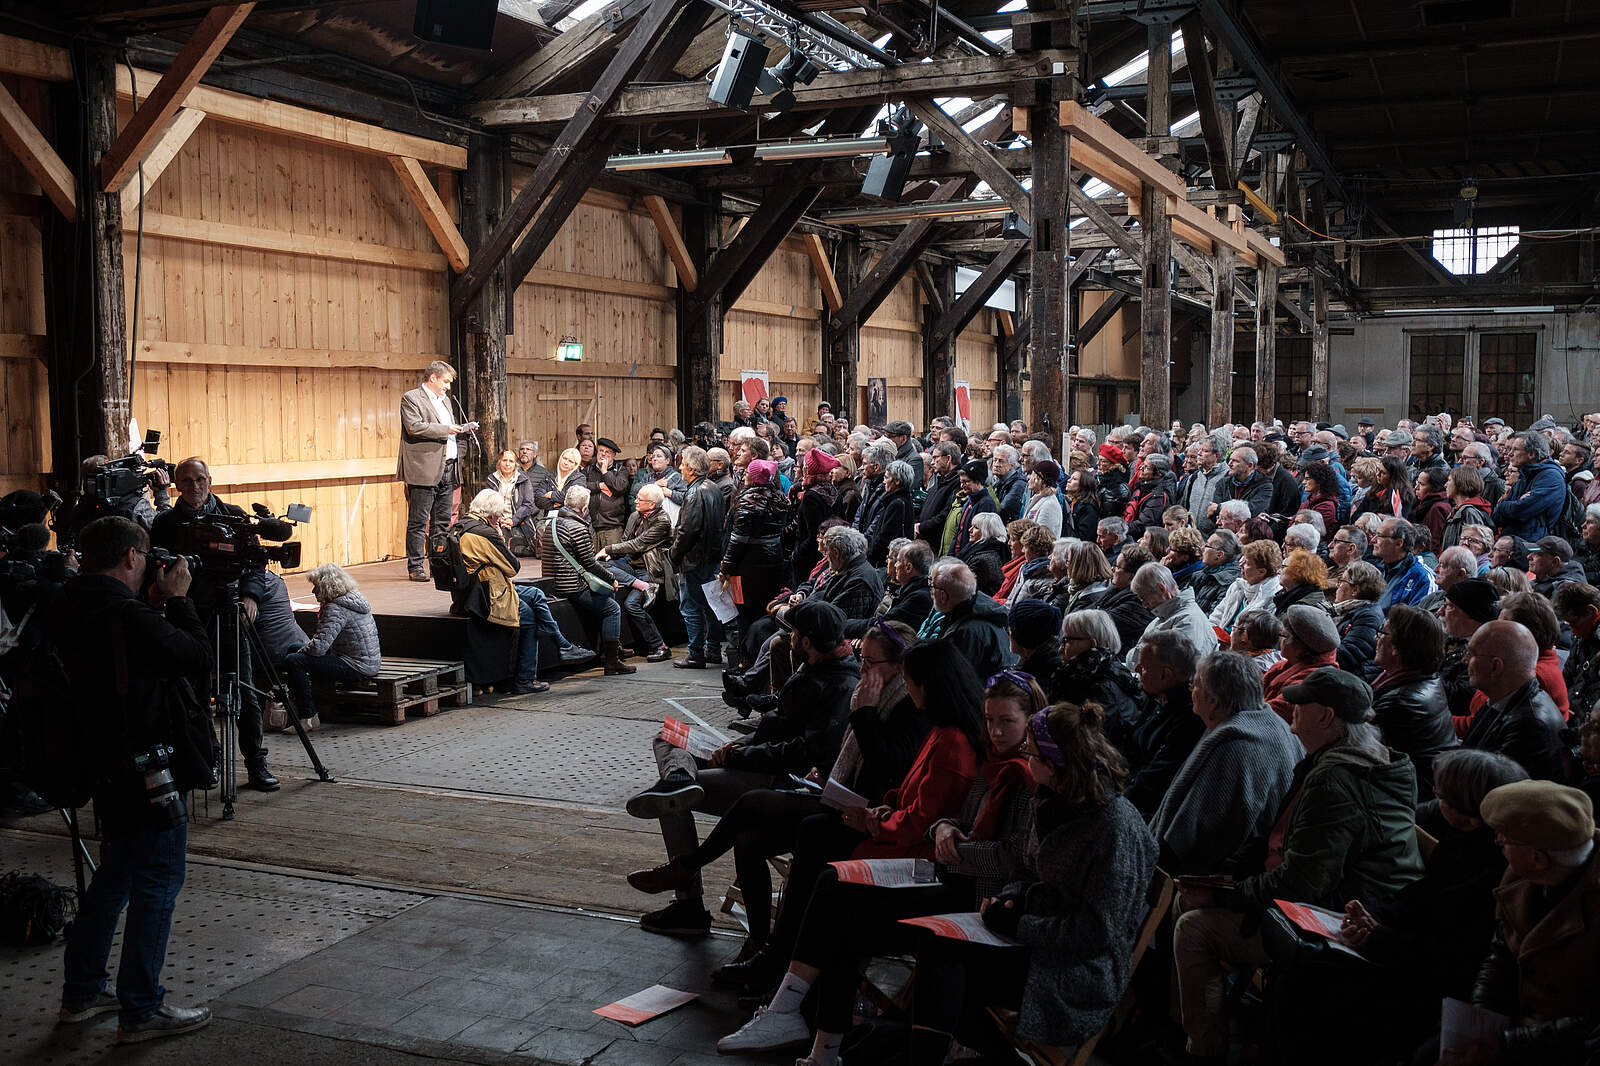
[{"x": 470, "y": 427}]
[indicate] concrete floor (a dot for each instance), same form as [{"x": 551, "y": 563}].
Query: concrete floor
[{"x": 456, "y": 896}]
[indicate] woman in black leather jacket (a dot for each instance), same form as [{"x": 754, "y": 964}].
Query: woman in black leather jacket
[{"x": 1407, "y": 699}]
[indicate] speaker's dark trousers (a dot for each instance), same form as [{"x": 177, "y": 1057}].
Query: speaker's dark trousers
[{"x": 427, "y": 513}]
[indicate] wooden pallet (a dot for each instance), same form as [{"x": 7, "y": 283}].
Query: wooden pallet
[{"x": 416, "y": 686}]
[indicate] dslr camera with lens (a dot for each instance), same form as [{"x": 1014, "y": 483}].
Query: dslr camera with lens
[{"x": 160, "y": 791}]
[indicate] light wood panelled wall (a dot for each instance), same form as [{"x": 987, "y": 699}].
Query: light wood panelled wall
[
  {"x": 24, "y": 386},
  {"x": 289, "y": 293}
]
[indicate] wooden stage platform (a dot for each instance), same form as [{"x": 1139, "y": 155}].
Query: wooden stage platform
[{"x": 414, "y": 618}]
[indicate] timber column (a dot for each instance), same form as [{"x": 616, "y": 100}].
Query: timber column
[
  {"x": 479, "y": 333},
  {"x": 1053, "y": 34},
  {"x": 938, "y": 352},
  {"x": 841, "y": 344},
  {"x": 700, "y": 319},
  {"x": 85, "y": 297}
]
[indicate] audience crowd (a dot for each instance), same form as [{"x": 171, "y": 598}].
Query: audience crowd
[{"x": 1283, "y": 665}]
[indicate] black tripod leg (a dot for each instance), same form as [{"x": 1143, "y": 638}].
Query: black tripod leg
[
  {"x": 278, "y": 689},
  {"x": 80, "y": 851}
]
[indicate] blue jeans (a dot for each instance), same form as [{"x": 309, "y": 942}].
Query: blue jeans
[
  {"x": 299, "y": 667},
  {"x": 644, "y": 627},
  {"x": 603, "y": 606},
  {"x": 534, "y": 617},
  {"x": 533, "y": 599},
  {"x": 143, "y": 871},
  {"x": 705, "y": 632}
]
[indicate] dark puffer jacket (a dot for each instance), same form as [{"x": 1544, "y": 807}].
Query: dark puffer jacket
[
  {"x": 1211, "y": 585},
  {"x": 977, "y": 629},
  {"x": 1098, "y": 676}
]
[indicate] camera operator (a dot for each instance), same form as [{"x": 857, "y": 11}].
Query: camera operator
[
  {"x": 195, "y": 503},
  {"x": 142, "y": 500},
  {"x": 30, "y": 575},
  {"x": 124, "y": 655}
]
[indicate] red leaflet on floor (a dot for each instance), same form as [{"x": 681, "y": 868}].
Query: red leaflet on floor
[{"x": 641, "y": 1007}]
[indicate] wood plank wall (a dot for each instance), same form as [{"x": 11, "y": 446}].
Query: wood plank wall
[
  {"x": 283, "y": 369},
  {"x": 24, "y": 385},
  {"x": 289, "y": 293}
]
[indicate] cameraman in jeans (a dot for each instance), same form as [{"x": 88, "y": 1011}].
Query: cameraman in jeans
[
  {"x": 125, "y": 653},
  {"x": 197, "y": 503}
]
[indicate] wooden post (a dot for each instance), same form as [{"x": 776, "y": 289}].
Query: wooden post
[
  {"x": 1319, "y": 349},
  {"x": 1155, "y": 311},
  {"x": 1048, "y": 365},
  {"x": 700, "y": 320},
  {"x": 1158, "y": 82},
  {"x": 938, "y": 355},
  {"x": 841, "y": 341},
  {"x": 85, "y": 297},
  {"x": 1266, "y": 340},
  {"x": 1219, "y": 396},
  {"x": 1009, "y": 354},
  {"x": 479, "y": 333}
]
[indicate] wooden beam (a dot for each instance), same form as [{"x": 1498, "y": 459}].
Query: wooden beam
[
  {"x": 841, "y": 346},
  {"x": 1050, "y": 363},
  {"x": 1102, "y": 220},
  {"x": 1219, "y": 390},
  {"x": 975, "y": 157},
  {"x": 567, "y": 53},
  {"x": 966, "y": 307},
  {"x": 737, "y": 265},
  {"x": 1091, "y": 327},
  {"x": 1193, "y": 265},
  {"x": 1083, "y": 263},
  {"x": 1296, "y": 312},
  {"x": 1266, "y": 341},
  {"x": 37, "y": 156},
  {"x": 1262, "y": 208},
  {"x": 1190, "y": 222},
  {"x": 1006, "y": 321},
  {"x": 161, "y": 154},
  {"x": 32, "y": 59},
  {"x": 579, "y": 136},
  {"x": 677, "y": 251},
  {"x": 301, "y": 123},
  {"x": 1425, "y": 260},
  {"x": 261, "y": 239},
  {"x": 156, "y": 111},
  {"x": 938, "y": 353},
  {"x": 830, "y": 91},
  {"x": 1213, "y": 123},
  {"x": 434, "y": 213},
  {"x": 1155, "y": 312},
  {"x": 1091, "y": 160},
  {"x": 817, "y": 252},
  {"x": 1158, "y": 79}
]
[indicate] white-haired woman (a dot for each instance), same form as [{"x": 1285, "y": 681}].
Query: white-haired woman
[
  {"x": 345, "y": 645},
  {"x": 504, "y": 618}
]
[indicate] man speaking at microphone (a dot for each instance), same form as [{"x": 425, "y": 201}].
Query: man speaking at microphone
[{"x": 428, "y": 461}]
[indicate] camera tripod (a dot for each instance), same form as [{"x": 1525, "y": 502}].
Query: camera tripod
[{"x": 232, "y": 637}]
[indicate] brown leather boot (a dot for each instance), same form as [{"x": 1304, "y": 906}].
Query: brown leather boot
[{"x": 612, "y": 649}]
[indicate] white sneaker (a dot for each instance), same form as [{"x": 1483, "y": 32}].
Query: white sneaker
[{"x": 767, "y": 1031}]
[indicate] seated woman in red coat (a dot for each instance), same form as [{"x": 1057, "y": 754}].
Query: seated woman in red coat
[
  {"x": 943, "y": 686},
  {"x": 979, "y": 851}
]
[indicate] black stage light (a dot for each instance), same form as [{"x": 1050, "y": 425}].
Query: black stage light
[{"x": 743, "y": 62}]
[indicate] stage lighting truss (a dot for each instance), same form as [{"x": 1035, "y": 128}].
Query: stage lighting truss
[{"x": 832, "y": 52}]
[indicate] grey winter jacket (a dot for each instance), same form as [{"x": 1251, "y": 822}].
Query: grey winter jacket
[{"x": 346, "y": 628}]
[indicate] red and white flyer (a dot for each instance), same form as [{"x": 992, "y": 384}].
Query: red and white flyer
[
  {"x": 644, "y": 1006},
  {"x": 692, "y": 739},
  {"x": 968, "y": 927},
  {"x": 1318, "y": 921},
  {"x": 887, "y": 873}
]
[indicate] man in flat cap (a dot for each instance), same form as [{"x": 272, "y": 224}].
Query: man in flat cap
[
  {"x": 1344, "y": 831},
  {"x": 1543, "y": 968}
]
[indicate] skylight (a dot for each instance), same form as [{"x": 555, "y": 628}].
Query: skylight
[{"x": 1473, "y": 251}]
